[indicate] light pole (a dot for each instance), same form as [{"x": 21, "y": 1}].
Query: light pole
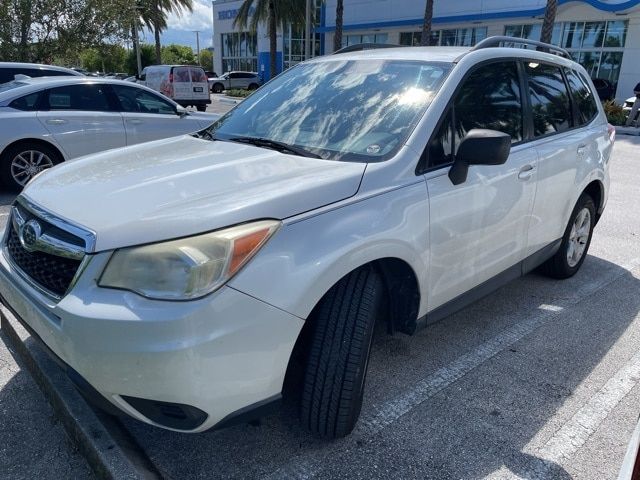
[{"x": 197, "y": 32}]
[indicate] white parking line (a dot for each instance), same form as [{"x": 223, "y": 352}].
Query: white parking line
[{"x": 308, "y": 465}]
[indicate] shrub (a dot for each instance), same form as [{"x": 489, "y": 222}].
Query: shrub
[
  {"x": 615, "y": 114},
  {"x": 238, "y": 93}
]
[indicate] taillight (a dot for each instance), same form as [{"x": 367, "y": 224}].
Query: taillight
[{"x": 611, "y": 130}]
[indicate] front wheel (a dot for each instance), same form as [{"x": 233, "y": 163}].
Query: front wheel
[
  {"x": 575, "y": 242},
  {"x": 217, "y": 88},
  {"x": 338, "y": 355},
  {"x": 201, "y": 108},
  {"x": 20, "y": 163}
]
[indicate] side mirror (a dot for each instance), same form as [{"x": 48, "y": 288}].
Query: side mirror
[
  {"x": 479, "y": 147},
  {"x": 181, "y": 111}
]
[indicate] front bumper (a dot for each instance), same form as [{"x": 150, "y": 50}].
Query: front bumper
[{"x": 219, "y": 355}]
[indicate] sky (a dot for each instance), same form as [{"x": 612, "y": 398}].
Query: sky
[{"x": 180, "y": 28}]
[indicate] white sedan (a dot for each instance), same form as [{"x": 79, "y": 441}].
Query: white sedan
[{"x": 45, "y": 121}]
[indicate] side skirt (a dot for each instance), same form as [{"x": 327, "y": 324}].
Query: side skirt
[{"x": 484, "y": 289}]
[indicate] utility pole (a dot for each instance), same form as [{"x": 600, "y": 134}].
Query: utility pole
[
  {"x": 307, "y": 31},
  {"x": 213, "y": 36},
  {"x": 197, "y": 32}
]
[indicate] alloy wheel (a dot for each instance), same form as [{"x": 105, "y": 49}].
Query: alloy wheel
[
  {"x": 578, "y": 237},
  {"x": 25, "y": 165}
]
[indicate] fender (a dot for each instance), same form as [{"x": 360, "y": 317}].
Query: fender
[{"x": 307, "y": 257}]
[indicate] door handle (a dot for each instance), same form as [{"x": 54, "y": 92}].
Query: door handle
[
  {"x": 134, "y": 121},
  {"x": 526, "y": 172},
  {"x": 56, "y": 121},
  {"x": 581, "y": 149}
]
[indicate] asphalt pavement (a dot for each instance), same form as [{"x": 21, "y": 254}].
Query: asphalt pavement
[{"x": 539, "y": 380}]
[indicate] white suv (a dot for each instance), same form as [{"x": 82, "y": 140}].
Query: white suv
[{"x": 180, "y": 280}]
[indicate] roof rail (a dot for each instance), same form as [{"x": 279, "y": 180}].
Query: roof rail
[
  {"x": 358, "y": 47},
  {"x": 496, "y": 41}
]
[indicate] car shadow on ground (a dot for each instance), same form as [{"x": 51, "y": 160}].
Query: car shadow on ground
[{"x": 481, "y": 422}]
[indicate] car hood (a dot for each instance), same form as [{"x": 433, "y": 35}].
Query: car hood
[{"x": 184, "y": 186}]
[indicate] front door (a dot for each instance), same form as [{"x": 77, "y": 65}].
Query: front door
[{"x": 479, "y": 228}]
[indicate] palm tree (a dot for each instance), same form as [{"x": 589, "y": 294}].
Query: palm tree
[
  {"x": 154, "y": 13},
  {"x": 274, "y": 12},
  {"x": 337, "y": 37},
  {"x": 426, "y": 24},
  {"x": 549, "y": 19}
]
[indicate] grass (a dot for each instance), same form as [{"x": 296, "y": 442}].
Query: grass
[{"x": 238, "y": 93}]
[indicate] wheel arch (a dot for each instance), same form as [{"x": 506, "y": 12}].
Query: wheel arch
[
  {"x": 595, "y": 190},
  {"x": 31, "y": 141}
]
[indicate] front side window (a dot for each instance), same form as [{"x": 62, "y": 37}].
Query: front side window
[
  {"x": 345, "y": 110},
  {"x": 489, "y": 98},
  {"x": 550, "y": 104},
  {"x": 137, "y": 100},
  {"x": 583, "y": 97},
  {"x": 88, "y": 97}
]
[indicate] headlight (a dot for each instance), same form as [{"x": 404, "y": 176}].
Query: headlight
[{"x": 187, "y": 268}]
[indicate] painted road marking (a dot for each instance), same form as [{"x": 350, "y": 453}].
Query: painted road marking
[{"x": 307, "y": 465}]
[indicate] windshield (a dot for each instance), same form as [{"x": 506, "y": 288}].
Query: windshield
[
  {"x": 11, "y": 85},
  {"x": 350, "y": 110}
]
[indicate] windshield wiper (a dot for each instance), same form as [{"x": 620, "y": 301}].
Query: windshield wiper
[{"x": 274, "y": 145}]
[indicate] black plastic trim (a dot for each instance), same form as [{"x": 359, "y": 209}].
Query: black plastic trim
[
  {"x": 173, "y": 415},
  {"x": 484, "y": 289},
  {"x": 251, "y": 412}
]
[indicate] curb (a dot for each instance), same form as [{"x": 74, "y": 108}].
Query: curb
[
  {"x": 627, "y": 131},
  {"x": 109, "y": 449}
]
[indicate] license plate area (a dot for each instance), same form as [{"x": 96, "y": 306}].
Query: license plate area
[{"x": 198, "y": 89}]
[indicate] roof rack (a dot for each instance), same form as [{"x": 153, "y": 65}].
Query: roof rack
[
  {"x": 491, "y": 42},
  {"x": 358, "y": 47}
]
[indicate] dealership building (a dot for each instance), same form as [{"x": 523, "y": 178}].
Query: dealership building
[{"x": 603, "y": 35}]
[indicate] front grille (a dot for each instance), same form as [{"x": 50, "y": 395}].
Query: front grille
[{"x": 51, "y": 272}]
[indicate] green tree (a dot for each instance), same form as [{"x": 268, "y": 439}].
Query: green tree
[
  {"x": 177, "y": 55},
  {"x": 549, "y": 19},
  {"x": 147, "y": 55},
  {"x": 274, "y": 12},
  {"x": 425, "y": 38},
  {"x": 105, "y": 58},
  {"x": 206, "y": 59}
]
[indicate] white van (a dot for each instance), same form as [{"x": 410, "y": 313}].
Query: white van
[{"x": 186, "y": 85}]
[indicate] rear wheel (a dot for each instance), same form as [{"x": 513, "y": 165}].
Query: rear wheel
[
  {"x": 253, "y": 86},
  {"x": 338, "y": 355},
  {"x": 575, "y": 242},
  {"x": 217, "y": 88},
  {"x": 21, "y": 162},
  {"x": 201, "y": 108}
]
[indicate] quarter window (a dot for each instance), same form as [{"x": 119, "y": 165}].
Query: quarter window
[
  {"x": 28, "y": 103},
  {"x": 582, "y": 97},
  {"x": 550, "y": 103}
]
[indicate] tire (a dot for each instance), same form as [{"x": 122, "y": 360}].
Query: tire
[
  {"x": 253, "y": 86},
  {"x": 22, "y": 161},
  {"x": 338, "y": 355},
  {"x": 201, "y": 108},
  {"x": 217, "y": 88},
  {"x": 575, "y": 242}
]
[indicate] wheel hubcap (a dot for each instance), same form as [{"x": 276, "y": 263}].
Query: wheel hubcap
[
  {"x": 578, "y": 237},
  {"x": 28, "y": 164}
]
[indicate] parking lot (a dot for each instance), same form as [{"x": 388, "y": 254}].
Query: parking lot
[{"x": 538, "y": 380}]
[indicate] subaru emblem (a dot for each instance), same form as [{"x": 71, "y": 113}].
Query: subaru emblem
[{"x": 30, "y": 234}]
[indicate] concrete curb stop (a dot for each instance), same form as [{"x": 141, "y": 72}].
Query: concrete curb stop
[{"x": 108, "y": 448}]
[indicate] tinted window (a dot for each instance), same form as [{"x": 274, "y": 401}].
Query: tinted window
[
  {"x": 181, "y": 75},
  {"x": 198, "y": 75},
  {"x": 549, "y": 99},
  {"x": 78, "y": 97},
  {"x": 235, "y": 75},
  {"x": 582, "y": 97},
  {"x": 26, "y": 103},
  {"x": 490, "y": 98},
  {"x": 138, "y": 100},
  {"x": 43, "y": 72}
]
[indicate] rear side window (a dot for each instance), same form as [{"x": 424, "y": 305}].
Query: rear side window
[
  {"x": 489, "y": 98},
  {"x": 550, "y": 104},
  {"x": 583, "y": 97},
  {"x": 28, "y": 103},
  {"x": 87, "y": 97}
]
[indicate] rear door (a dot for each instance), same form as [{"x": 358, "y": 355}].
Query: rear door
[
  {"x": 478, "y": 229},
  {"x": 199, "y": 83},
  {"x": 82, "y": 119},
  {"x": 150, "y": 117},
  {"x": 564, "y": 145}
]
